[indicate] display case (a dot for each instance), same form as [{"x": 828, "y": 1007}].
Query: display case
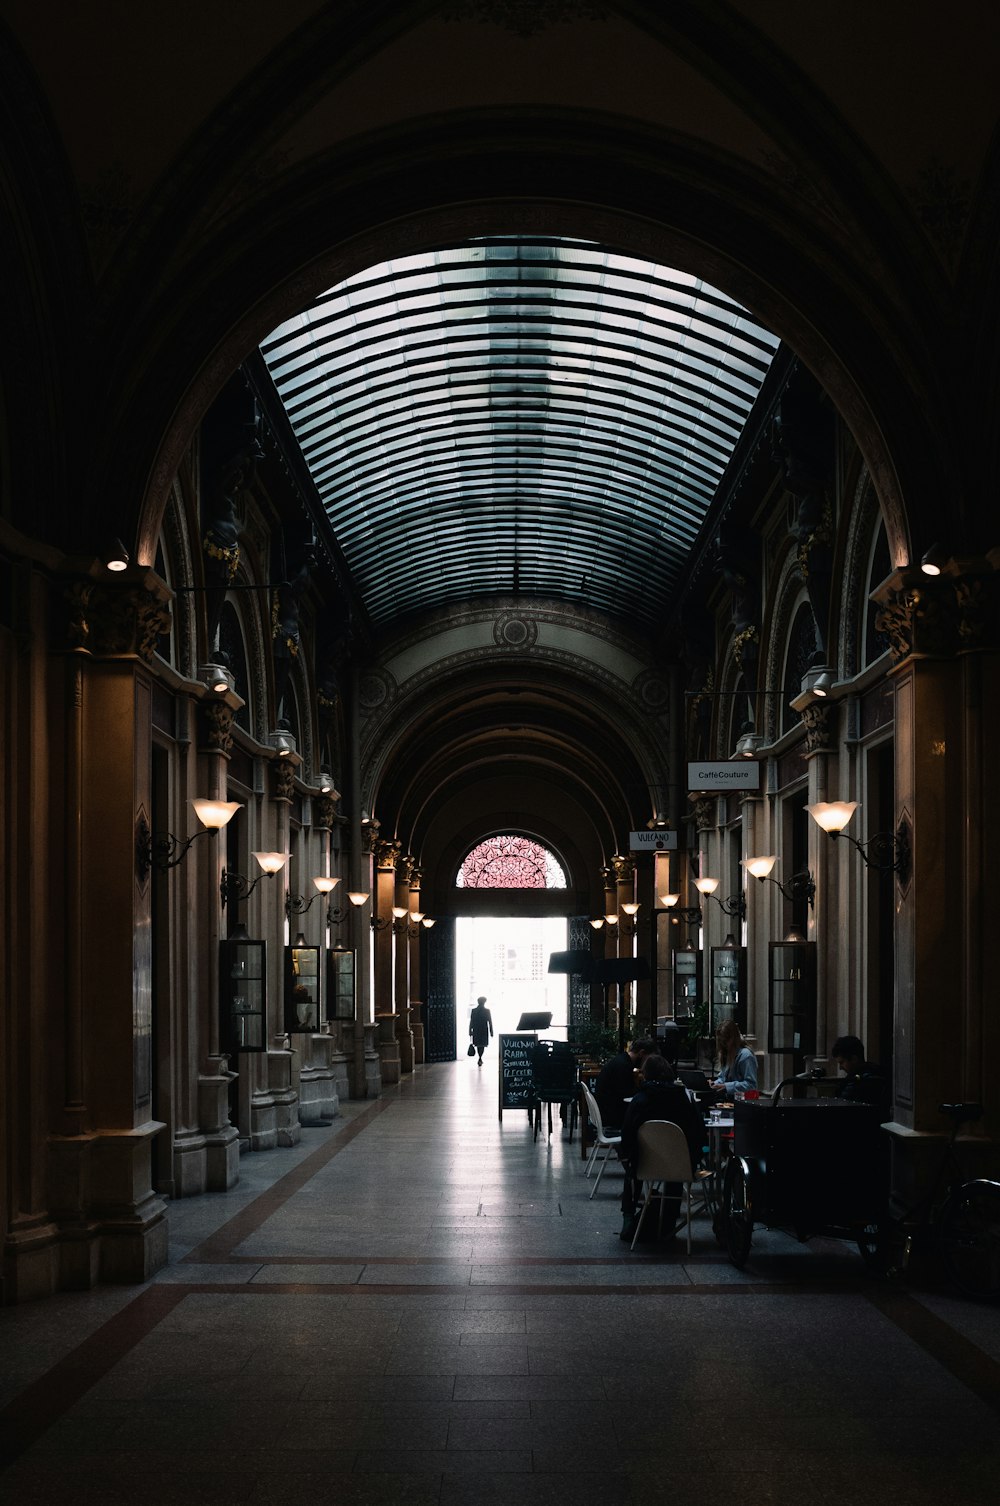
[
  {"x": 302, "y": 989},
  {"x": 728, "y": 996},
  {"x": 242, "y": 993},
  {"x": 340, "y": 984},
  {"x": 687, "y": 982},
  {"x": 792, "y": 998}
]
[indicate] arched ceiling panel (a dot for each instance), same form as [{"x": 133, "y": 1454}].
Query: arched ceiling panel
[{"x": 518, "y": 413}]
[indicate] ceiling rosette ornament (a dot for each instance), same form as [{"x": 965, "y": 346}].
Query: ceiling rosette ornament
[{"x": 513, "y": 631}]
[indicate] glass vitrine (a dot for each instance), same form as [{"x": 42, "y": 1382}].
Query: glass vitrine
[
  {"x": 687, "y": 982},
  {"x": 242, "y": 993},
  {"x": 792, "y": 998},
  {"x": 728, "y": 998},
  {"x": 340, "y": 984},
  {"x": 302, "y": 990}
]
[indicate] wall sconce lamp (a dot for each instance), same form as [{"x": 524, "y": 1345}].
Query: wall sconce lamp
[
  {"x": 799, "y": 886},
  {"x": 689, "y": 914},
  {"x": 165, "y": 850},
  {"x": 325, "y": 781},
  {"x": 297, "y": 904},
  {"x": 395, "y": 920},
  {"x": 627, "y": 921},
  {"x": 357, "y": 897},
  {"x": 886, "y": 851},
  {"x": 236, "y": 888},
  {"x": 736, "y": 903}
]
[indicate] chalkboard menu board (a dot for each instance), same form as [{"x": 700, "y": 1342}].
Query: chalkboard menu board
[{"x": 515, "y": 1071}]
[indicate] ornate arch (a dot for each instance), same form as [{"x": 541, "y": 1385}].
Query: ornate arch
[
  {"x": 861, "y": 534},
  {"x": 175, "y": 541}
]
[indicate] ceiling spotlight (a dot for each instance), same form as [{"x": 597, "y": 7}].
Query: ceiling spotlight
[
  {"x": 217, "y": 678},
  {"x": 934, "y": 561},
  {"x": 115, "y": 556},
  {"x": 823, "y": 683},
  {"x": 282, "y": 740}
]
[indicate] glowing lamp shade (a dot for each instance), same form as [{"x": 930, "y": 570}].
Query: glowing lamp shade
[
  {"x": 272, "y": 862},
  {"x": 598, "y": 923},
  {"x": 215, "y": 814},
  {"x": 427, "y": 921},
  {"x": 706, "y": 885},
  {"x": 326, "y": 885},
  {"x": 357, "y": 898},
  {"x": 832, "y": 815},
  {"x": 417, "y": 917},
  {"x": 631, "y": 909},
  {"x": 759, "y": 868},
  {"x": 611, "y": 920},
  {"x": 668, "y": 900},
  {"x": 398, "y": 912}
]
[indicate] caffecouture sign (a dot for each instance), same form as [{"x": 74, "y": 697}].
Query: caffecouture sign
[{"x": 741, "y": 774}]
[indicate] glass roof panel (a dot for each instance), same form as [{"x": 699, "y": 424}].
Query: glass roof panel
[{"x": 518, "y": 409}]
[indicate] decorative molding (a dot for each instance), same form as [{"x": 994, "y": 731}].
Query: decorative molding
[
  {"x": 113, "y": 621},
  {"x": 325, "y": 811},
  {"x": 818, "y": 720},
  {"x": 377, "y": 688},
  {"x": 386, "y": 851},
  {"x": 369, "y": 836},
  {"x": 703, "y": 808},
  {"x": 624, "y": 866},
  {"x": 652, "y": 692},
  {"x": 215, "y": 726},
  {"x": 919, "y": 619},
  {"x": 284, "y": 779},
  {"x": 513, "y": 631},
  {"x": 861, "y": 528}
]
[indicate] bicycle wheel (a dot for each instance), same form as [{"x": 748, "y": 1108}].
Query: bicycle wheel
[
  {"x": 737, "y": 1212},
  {"x": 969, "y": 1239}
]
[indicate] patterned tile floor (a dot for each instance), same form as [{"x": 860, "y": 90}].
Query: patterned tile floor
[{"x": 420, "y": 1304}]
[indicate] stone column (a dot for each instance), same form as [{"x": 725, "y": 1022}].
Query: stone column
[
  {"x": 401, "y": 937},
  {"x": 386, "y": 854},
  {"x": 415, "y": 934},
  {"x": 945, "y": 641},
  {"x": 281, "y": 1088},
  {"x": 112, "y": 1226},
  {"x": 624, "y": 870}
]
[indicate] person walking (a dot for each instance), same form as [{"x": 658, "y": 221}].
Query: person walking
[{"x": 480, "y": 1027}]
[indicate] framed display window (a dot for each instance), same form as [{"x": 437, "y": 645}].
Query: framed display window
[
  {"x": 340, "y": 984},
  {"x": 728, "y": 998},
  {"x": 243, "y": 993},
  {"x": 687, "y": 982},
  {"x": 302, "y": 988},
  {"x": 792, "y": 998}
]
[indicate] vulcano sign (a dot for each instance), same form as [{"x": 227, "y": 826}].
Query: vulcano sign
[{"x": 740, "y": 774}]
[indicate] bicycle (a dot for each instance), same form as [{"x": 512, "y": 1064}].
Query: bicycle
[{"x": 962, "y": 1223}]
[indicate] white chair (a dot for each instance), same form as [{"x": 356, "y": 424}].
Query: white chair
[
  {"x": 663, "y": 1156},
  {"x": 603, "y": 1140}
]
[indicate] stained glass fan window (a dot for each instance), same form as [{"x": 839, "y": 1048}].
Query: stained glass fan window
[{"x": 510, "y": 862}]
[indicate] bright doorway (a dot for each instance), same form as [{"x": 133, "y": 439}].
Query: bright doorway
[{"x": 507, "y": 959}]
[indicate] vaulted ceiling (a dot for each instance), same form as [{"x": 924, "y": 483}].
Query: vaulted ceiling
[{"x": 526, "y": 414}]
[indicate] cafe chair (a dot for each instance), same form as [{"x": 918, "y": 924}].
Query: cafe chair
[
  {"x": 555, "y": 1078},
  {"x": 663, "y": 1156},
  {"x": 602, "y": 1140}
]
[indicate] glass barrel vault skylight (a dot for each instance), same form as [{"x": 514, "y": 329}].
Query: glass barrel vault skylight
[{"x": 524, "y": 414}]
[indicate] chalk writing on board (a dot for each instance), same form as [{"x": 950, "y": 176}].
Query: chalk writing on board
[{"x": 515, "y": 1071}]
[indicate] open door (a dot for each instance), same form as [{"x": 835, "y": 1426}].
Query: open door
[{"x": 439, "y": 991}]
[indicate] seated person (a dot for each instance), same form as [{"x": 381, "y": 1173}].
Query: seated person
[
  {"x": 738, "y": 1071},
  {"x": 616, "y": 1081},
  {"x": 658, "y": 1096},
  {"x": 864, "y": 1082}
]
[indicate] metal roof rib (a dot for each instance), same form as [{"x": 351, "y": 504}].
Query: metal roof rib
[{"x": 527, "y": 407}]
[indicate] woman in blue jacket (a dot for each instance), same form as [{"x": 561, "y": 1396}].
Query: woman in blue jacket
[{"x": 739, "y": 1065}]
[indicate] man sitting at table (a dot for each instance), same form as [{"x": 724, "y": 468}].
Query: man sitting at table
[
  {"x": 616, "y": 1081},
  {"x": 658, "y": 1096},
  {"x": 864, "y": 1082}
]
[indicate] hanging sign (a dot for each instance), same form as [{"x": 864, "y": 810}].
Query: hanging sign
[
  {"x": 652, "y": 841},
  {"x": 739, "y": 774}
]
